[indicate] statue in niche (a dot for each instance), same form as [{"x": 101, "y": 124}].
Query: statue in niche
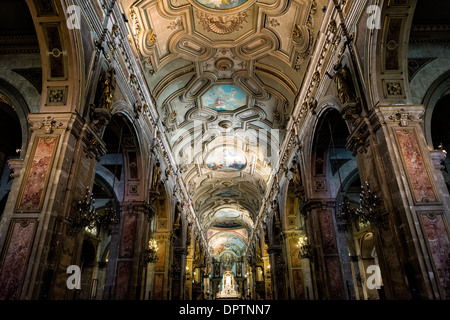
[
  {"x": 344, "y": 84},
  {"x": 100, "y": 112},
  {"x": 216, "y": 270},
  {"x": 346, "y": 92},
  {"x": 107, "y": 89},
  {"x": 156, "y": 176}
]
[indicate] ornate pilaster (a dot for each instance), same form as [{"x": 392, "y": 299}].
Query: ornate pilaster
[
  {"x": 393, "y": 157},
  {"x": 278, "y": 271},
  {"x": 132, "y": 246},
  {"x": 326, "y": 260},
  {"x": 55, "y": 168}
]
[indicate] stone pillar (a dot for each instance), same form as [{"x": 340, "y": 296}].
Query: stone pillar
[
  {"x": 278, "y": 271},
  {"x": 161, "y": 274},
  {"x": 112, "y": 262},
  {"x": 178, "y": 273},
  {"x": 59, "y": 165},
  {"x": 132, "y": 246},
  {"x": 294, "y": 265},
  {"x": 325, "y": 250},
  {"x": 150, "y": 279},
  {"x": 411, "y": 237},
  {"x": 188, "y": 292}
]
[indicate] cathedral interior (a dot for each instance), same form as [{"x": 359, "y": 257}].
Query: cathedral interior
[{"x": 224, "y": 149}]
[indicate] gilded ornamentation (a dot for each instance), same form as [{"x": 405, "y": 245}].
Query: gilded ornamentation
[
  {"x": 223, "y": 24},
  {"x": 394, "y": 88},
  {"x": 403, "y": 117},
  {"x": 151, "y": 37},
  {"x": 344, "y": 83},
  {"x": 296, "y": 33},
  {"x": 135, "y": 26},
  {"x": 48, "y": 125},
  {"x": 108, "y": 88},
  {"x": 56, "y": 96}
]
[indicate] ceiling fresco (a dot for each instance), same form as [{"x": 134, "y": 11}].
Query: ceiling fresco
[{"x": 224, "y": 75}]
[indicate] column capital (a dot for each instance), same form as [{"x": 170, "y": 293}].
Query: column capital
[
  {"x": 401, "y": 115},
  {"x": 437, "y": 156},
  {"x": 16, "y": 166},
  {"x": 293, "y": 233},
  {"x": 323, "y": 204},
  {"x": 50, "y": 122}
]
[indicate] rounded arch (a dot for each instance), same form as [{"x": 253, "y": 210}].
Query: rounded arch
[
  {"x": 388, "y": 53},
  {"x": 11, "y": 96},
  {"x": 438, "y": 89},
  {"x": 124, "y": 144},
  {"x": 367, "y": 246},
  {"x": 62, "y": 56},
  {"x": 331, "y": 162}
]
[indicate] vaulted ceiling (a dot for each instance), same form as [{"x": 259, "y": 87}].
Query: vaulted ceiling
[{"x": 224, "y": 75}]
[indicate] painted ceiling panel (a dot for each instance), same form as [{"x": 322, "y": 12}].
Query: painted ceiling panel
[{"x": 224, "y": 74}]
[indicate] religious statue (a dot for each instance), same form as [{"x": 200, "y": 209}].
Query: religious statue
[
  {"x": 107, "y": 89},
  {"x": 344, "y": 83},
  {"x": 216, "y": 269},
  {"x": 156, "y": 176}
]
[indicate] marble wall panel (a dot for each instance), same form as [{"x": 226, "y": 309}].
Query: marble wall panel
[
  {"x": 161, "y": 253},
  {"x": 328, "y": 234},
  {"x": 158, "y": 287},
  {"x": 298, "y": 283},
  {"x": 294, "y": 250},
  {"x": 36, "y": 178},
  {"x": 335, "y": 282},
  {"x": 128, "y": 234},
  {"x": 123, "y": 279},
  {"x": 416, "y": 168},
  {"x": 439, "y": 243},
  {"x": 15, "y": 258}
]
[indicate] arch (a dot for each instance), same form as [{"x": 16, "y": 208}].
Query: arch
[
  {"x": 87, "y": 265},
  {"x": 10, "y": 95},
  {"x": 439, "y": 88},
  {"x": 121, "y": 139},
  {"x": 388, "y": 53},
  {"x": 331, "y": 161},
  {"x": 13, "y": 124},
  {"x": 62, "y": 57}
]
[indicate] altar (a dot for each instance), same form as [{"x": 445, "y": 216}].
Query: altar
[{"x": 228, "y": 290}]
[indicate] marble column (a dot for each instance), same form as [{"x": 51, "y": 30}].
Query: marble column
[
  {"x": 325, "y": 253},
  {"x": 412, "y": 239},
  {"x": 59, "y": 165}
]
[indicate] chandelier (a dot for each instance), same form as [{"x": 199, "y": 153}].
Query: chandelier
[
  {"x": 87, "y": 215},
  {"x": 304, "y": 248},
  {"x": 151, "y": 252},
  {"x": 369, "y": 210}
]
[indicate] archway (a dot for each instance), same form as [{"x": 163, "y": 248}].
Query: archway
[
  {"x": 331, "y": 163},
  {"x": 10, "y": 126},
  {"x": 87, "y": 265},
  {"x": 440, "y": 133}
]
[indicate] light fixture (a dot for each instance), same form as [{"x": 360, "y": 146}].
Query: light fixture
[
  {"x": 304, "y": 248},
  {"x": 151, "y": 252},
  {"x": 85, "y": 210},
  {"x": 369, "y": 208}
]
